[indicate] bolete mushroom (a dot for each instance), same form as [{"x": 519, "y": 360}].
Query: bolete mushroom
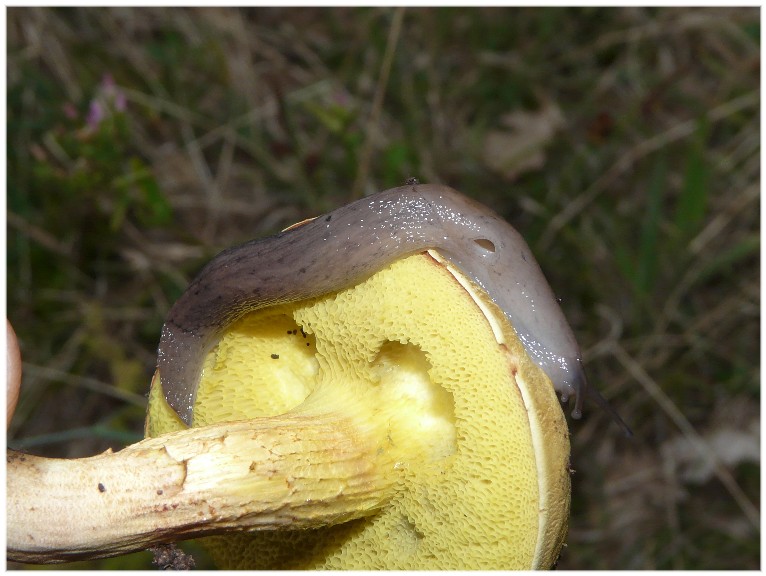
[{"x": 364, "y": 392}]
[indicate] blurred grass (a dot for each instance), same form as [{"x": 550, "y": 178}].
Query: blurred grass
[{"x": 143, "y": 141}]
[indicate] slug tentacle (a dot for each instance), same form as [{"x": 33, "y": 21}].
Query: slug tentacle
[
  {"x": 604, "y": 404},
  {"x": 350, "y": 244}
]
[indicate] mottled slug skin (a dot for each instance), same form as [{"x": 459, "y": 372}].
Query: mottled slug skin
[{"x": 348, "y": 245}]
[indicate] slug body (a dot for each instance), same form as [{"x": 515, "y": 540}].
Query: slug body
[{"x": 350, "y": 244}]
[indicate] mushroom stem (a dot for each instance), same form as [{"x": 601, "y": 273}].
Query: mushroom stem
[{"x": 292, "y": 471}]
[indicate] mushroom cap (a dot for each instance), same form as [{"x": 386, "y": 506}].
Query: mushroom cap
[{"x": 477, "y": 437}]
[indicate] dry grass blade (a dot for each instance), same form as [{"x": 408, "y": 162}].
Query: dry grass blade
[
  {"x": 38, "y": 235},
  {"x": 357, "y": 191},
  {"x": 655, "y": 391},
  {"x": 629, "y": 159},
  {"x": 92, "y": 384}
]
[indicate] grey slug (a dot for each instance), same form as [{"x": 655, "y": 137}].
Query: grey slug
[{"x": 348, "y": 245}]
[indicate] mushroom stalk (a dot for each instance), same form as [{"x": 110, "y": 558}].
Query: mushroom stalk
[{"x": 291, "y": 471}]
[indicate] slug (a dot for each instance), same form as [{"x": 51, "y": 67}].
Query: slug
[{"x": 350, "y": 244}]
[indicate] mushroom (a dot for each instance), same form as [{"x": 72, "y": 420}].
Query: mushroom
[{"x": 397, "y": 421}]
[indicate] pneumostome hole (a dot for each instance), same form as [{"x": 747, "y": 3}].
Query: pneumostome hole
[{"x": 486, "y": 244}]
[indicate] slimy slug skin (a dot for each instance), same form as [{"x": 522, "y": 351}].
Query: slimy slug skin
[{"x": 346, "y": 246}]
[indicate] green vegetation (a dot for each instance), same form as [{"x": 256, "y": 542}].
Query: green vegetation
[{"x": 623, "y": 143}]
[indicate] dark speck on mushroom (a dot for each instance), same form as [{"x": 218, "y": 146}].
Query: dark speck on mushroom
[{"x": 275, "y": 356}]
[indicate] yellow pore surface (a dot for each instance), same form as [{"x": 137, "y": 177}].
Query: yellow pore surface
[{"x": 477, "y": 436}]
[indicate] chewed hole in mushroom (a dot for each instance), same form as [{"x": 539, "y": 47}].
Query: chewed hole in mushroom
[{"x": 421, "y": 409}]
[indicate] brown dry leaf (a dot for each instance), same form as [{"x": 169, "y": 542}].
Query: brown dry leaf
[
  {"x": 520, "y": 147},
  {"x": 731, "y": 446}
]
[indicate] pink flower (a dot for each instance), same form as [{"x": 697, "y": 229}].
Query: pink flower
[
  {"x": 95, "y": 114},
  {"x": 108, "y": 99}
]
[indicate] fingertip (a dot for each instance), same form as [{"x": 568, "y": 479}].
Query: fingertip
[{"x": 13, "y": 373}]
